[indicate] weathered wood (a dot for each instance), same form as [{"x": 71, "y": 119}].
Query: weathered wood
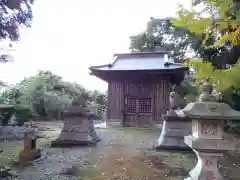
[
  {"x": 139, "y": 75},
  {"x": 154, "y": 87},
  {"x": 115, "y": 101}
]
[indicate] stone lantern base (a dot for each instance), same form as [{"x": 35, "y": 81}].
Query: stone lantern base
[
  {"x": 173, "y": 131},
  {"x": 208, "y": 153},
  {"x": 77, "y": 131},
  {"x": 207, "y": 167}
]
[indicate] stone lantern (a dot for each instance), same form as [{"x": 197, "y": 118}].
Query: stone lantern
[
  {"x": 78, "y": 128},
  {"x": 174, "y": 127},
  {"x": 207, "y": 139}
]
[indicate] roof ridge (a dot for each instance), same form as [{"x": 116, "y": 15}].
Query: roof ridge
[{"x": 142, "y": 53}]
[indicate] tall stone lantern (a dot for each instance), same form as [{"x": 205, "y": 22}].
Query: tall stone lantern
[{"x": 207, "y": 139}]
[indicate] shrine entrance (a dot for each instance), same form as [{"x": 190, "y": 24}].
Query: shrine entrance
[
  {"x": 138, "y": 87},
  {"x": 137, "y": 111}
]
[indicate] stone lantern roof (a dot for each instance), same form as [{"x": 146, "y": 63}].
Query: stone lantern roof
[{"x": 207, "y": 107}]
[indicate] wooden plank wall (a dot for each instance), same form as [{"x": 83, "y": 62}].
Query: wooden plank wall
[
  {"x": 157, "y": 88},
  {"x": 161, "y": 90},
  {"x": 140, "y": 88},
  {"x": 115, "y": 101}
]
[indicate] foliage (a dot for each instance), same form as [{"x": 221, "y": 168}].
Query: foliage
[
  {"x": 14, "y": 13},
  {"x": 100, "y": 100},
  {"x": 226, "y": 81},
  {"x": 223, "y": 79},
  {"x": 47, "y": 95},
  {"x": 163, "y": 35},
  {"x": 217, "y": 19},
  {"x": 213, "y": 38},
  {"x": 23, "y": 113},
  {"x": 218, "y": 23}
]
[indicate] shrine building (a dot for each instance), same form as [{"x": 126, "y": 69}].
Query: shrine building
[{"x": 138, "y": 87}]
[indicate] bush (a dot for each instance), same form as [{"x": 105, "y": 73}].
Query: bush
[{"x": 23, "y": 113}]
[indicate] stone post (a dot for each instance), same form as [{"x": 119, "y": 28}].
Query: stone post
[
  {"x": 207, "y": 139},
  {"x": 29, "y": 152}
]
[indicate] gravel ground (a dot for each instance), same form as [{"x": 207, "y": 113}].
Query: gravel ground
[
  {"x": 135, "y": 144},
  {"x": 54, "y": 160}
]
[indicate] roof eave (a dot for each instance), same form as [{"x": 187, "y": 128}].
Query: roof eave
[{"x": 121, "y": 70}]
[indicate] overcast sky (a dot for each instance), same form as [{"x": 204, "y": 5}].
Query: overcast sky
[{"x": 69, "y": 36}]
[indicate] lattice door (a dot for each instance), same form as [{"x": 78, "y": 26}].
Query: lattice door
[
  {"x": 130, "y": 105},
  {"x": 145, "y": 106},
  {"x": 137, "y": 109}
]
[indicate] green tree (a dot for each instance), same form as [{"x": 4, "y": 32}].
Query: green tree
[
  {"x": 162, "y": 35},
  {"x": 47, "y": 95},
  {"x": 14, "y": 14},
  {"x": 218, "y": 22},
  {"x": 167, "y": 35},
  {"x": 223, "y": 18},
  {"x": 100, "y": 100}
]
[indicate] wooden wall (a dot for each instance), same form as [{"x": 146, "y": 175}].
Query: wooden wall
[
  {"x": 156, "y": 87},
  {"x": 161, "y": 90},
  {"x": 115, "y": 101}
]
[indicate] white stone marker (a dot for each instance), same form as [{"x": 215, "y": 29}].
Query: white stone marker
[{"x": 207, "y": 139}]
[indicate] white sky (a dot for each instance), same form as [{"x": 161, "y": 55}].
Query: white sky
[{"x": 69, "y": 36}]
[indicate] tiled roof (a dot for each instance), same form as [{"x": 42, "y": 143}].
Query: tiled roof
[{"x": 139, "y": 61}]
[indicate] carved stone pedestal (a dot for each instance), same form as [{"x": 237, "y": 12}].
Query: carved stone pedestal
[
  {"x": 209, "y": 145},
  {"x": 207, "y": 167},
  {"x": 173, "y": 131},
  {"x": 77, "y": 131},
  {"x": 208, "y": 153}
]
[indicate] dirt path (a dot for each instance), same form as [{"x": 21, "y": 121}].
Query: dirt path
[{"x": 121, "y": 154}]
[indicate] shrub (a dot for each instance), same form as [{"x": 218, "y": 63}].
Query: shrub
[{"x": 23, "y": 113}]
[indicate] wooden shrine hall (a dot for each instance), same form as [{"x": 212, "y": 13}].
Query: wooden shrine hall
[{"x": 138, "y": 87}]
